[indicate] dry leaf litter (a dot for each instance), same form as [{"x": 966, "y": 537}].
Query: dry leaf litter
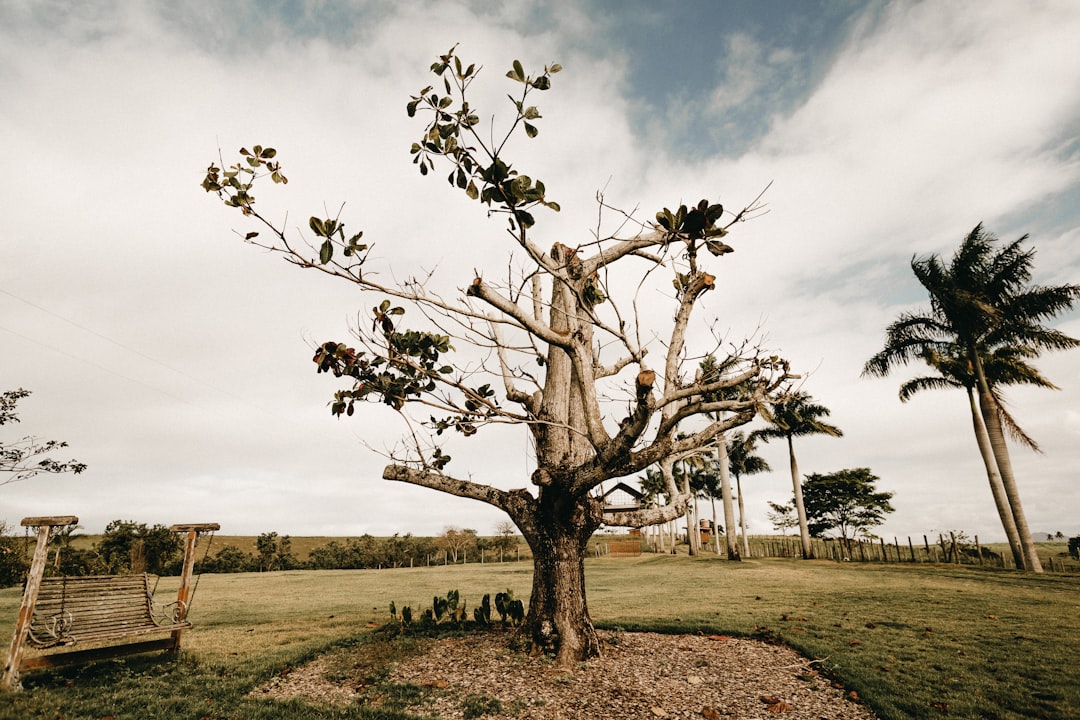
[{"x": 640, "y": 675}]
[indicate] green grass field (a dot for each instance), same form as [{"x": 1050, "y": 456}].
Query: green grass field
[{"x": 915, "y": 641}]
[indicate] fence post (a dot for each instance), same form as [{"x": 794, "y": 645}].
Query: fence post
[
  {"x": 978, "y": 549},
  {"x": 955, "y": 550},
  {"x": 911, "y": 548}
]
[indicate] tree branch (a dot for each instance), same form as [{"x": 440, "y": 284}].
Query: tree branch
[{"x": 508, "y": 501}]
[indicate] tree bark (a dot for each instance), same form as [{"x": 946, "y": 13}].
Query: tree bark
[
  {"x": 742, "y": 518},
  {"x": 715, "y": 526},
  {"x": 997, "y": 489},
  {"x": 800, "y": 509},
  {"x": 731, "y": 540},
  {"x": 992, "y": 420},
  {"x": 558, "y": 618},
  {"x": 691, "y": 533}
]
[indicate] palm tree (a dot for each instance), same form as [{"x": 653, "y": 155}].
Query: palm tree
[
  {"x": 723, "y": 462},
  {"x": 709, "y": 475},
  {"x": 1003, "y": 366},
  {"x": 711, "y": 367},
  {"x": 654, "y": 494},
  {"x": 796, "y": 415},
  {"x": 688, "y": 475},
  {"x": 982, "y": 302},
  {"x": 743, "y": 461}
]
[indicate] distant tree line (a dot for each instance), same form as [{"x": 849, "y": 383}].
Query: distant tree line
[
  {"x": 125, "y": 547},
  {"x": 130, "y": 547}
]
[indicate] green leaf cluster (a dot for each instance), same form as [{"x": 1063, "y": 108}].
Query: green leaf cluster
[
  {"x": 233, "y": 185},
  {"x": 510, "y": 611},
  {"x": 333, "y": 232},
  {"x": 409, "y": 369},
  {"x": 696, "y": 224},
  {"x": 478, "y": 169}
]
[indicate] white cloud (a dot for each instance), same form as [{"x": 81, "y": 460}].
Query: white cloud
[{"x": 932, "y": 118}]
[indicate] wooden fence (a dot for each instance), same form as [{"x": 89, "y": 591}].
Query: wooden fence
[
  {"x": 926, "y": 549},
  {"x": 942, "y": 549}
]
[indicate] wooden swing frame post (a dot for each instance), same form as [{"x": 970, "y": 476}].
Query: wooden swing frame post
[
  {"x": 184, "y": 593},
  {"x": 29, "y": 600}
]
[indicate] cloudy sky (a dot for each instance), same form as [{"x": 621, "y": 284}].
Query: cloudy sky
[{"x": 175, "y": 360}]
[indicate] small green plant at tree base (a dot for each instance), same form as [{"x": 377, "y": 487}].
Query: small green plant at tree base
[
  {"x": 450, "y": 611},
  {"x": 482, "y": 614},
  {"x": 455, "y": 607},
  {"x": 450, "y": 608},
  {"x": 511, "y": 611},
  {"x": 406, "y": 618}
]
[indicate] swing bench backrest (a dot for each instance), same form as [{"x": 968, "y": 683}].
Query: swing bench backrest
[
  {"x": 72, "y": 610},
  {"x": 60, "y": 615}
]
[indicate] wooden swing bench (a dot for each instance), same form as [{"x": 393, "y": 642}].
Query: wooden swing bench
[{"x": 61, "y": 615}]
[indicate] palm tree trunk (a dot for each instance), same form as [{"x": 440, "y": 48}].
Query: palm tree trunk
[
  {"x": 715, "y": 525},
  {"x": 992, "y": 420},
  {"x": 742, "y": 518},
  {"x": 691, "y": 548},
  {"x": 1001, "y": 501},
  {"x": 800, "y": 509},
  {"x": 696, "y": 523},
  {"x": 725, "y": 494}
]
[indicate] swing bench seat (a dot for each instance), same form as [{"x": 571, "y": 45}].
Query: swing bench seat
[
  {"x": 115, "y": 615},
  {"x": 78, "y": 610}
]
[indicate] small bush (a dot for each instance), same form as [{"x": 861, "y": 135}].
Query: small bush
[{"x": 13, "y": 565}]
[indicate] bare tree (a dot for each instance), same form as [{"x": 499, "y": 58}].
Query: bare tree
[
  {"x": 548, "y": 348},
  {"x": 456, "y": 541},
  {"x": 505, "y": 538}
]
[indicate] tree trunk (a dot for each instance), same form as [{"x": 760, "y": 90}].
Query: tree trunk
[
  {"x": 715, "y": 526},
  {"x": 558, "y": 620},
  {"x": 691, "y": 549},
  {"x": 992, "y": 420},
  {"x": 800, "y": 509},
  {"x": 742, "y": 518},
  {"x": 691, "y": 535},
  {"x": 996, "y": 487},
  {"x": 731, "y": 541},
  {"x": 697, "y": 525}
]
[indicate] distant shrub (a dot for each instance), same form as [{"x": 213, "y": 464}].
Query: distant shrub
[
  {"x": 1074, "y": 547},
  {"x": 13, "y": 565}
]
